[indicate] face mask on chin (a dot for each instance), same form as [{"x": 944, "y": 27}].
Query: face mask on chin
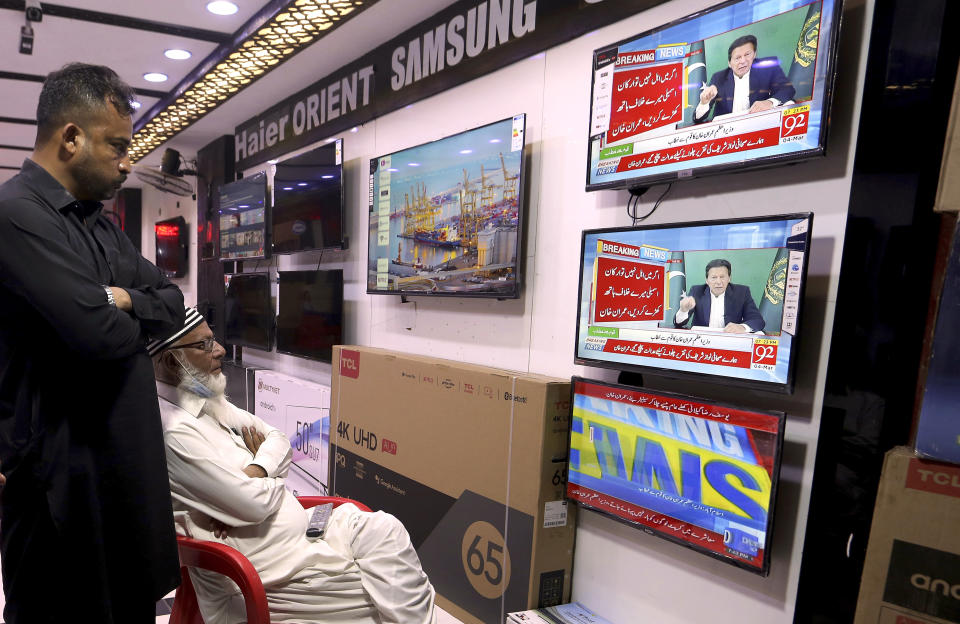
[{"x": 201, "y": 384}]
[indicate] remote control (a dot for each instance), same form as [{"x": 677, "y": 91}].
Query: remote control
[{"x": 318, "y": 520}]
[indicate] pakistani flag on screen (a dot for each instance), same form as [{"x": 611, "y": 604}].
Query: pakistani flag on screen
[
  {"x": 695, "y": 76},
  {"x": 676, "y": 287},
  {"x": 805, "y": 55},
  {"x": 771, "y": 303}
]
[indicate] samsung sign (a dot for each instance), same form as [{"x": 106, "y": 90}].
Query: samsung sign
[{"x": 466, "y": 40}]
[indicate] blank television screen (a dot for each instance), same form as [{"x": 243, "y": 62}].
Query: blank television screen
[
  {"x": 696, "y": 472},
  {"x": 310, "y": 321},
  {"x": 308, "y": 201},
  {"x": 248, "y": 311}
]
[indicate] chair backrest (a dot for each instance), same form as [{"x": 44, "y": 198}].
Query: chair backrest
[{"x": 228, "y": 561}]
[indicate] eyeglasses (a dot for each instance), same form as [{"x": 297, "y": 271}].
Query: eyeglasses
[{"x": 207, "y": 344}]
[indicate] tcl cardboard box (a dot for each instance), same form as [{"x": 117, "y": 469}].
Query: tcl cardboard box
[
  {"x": 912, "y": 571},
  {"x": 472, "y": 460}
]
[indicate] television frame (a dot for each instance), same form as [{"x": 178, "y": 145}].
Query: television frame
[
  {"x": 769, "y": 386},
  {"x": 276, "y": 325},
  {"x": 337, "y": 145},
  {"x": 183, "y": 244},
  {"x": 781, "y": 417},
  {"x": 272, "y": 332},
  {"x": 750, "y": 164},
  {"x": 521, "y": 227},
  {"x": 267, "y": 221}
]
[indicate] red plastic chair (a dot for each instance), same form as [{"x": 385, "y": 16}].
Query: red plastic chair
[{"x": 228, "y": 561}]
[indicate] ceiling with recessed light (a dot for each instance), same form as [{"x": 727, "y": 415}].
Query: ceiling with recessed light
[{"x": 225, "y": 80}]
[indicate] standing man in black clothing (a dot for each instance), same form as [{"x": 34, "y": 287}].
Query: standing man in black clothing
[{"x": 87, "y": 526}]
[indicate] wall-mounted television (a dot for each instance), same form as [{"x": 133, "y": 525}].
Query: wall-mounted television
[
  {"x": 245, "y": 219},
  {"x": 249, "y": 311},
  {"x": 308, "y": 200},
  {"x": 709, "y": 300},
  {"x": 446, "y": 218},
  {"x": 172, "y": 240},
  {"x": 693, "y": 471},
  {"x": 310, "y": 320},
  {"x": 744, "y": 84}
]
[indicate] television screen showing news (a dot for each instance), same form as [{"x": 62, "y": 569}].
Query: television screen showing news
[
  {"x": 696, "y": 472},
  {"x": 243, "y": 218},
  {"x": 745, "y": 83},
  {"x": 718, "y": 300},
  {"x": 445, "y": 217}
]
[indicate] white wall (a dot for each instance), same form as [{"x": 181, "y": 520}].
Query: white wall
[
  {"x": 625, "y": 574},
  {"x": 158, "y": 206}
]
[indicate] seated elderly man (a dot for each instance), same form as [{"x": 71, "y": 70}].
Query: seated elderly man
[{"x": 226, "y": 470}]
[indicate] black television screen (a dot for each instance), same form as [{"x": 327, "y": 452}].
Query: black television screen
[
  {"x": 249, "y": 312},
  {"x": 696, "y": 472},
  {"x": 172, "y": 241},
  {"x": 646, "y": 299},
  {"x": 746, "y": 83},
  {"x": 308, "y": 200},
  {"x": 310, "y": 321},
  {"x": 446, "y": 217},
  {"x": 245, "y": 218}
]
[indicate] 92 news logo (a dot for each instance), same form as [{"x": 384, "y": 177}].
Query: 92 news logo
[
  {"x": 794, "y": 124},
  {"x": 764, "y": 354}
]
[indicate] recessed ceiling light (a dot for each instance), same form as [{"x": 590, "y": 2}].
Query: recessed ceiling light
[
  {"x": 413, "y": 164},
  {"x": 301, "y": 183},
  {"x": 494, "y": 140},
  {"x": 177, "y": 54},
  {"x": 354, "y": 129},
  {"x": 222, "y": 7},
  {"x": 466, "y": 151},
  {"x": 288, "y": 188},
  {"x": 326, "y": 177},
  {"x": 155, "y": 77},
  {"x": 135, "y": 104}
]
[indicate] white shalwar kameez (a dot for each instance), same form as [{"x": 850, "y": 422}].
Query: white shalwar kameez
[{"x": 364, "y": 569}]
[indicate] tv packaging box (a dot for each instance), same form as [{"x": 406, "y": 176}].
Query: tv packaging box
[
  {"x": 912, "y": 571},
  {"x": 472, "y": 460},
  {"x": 301, "y": 410}
]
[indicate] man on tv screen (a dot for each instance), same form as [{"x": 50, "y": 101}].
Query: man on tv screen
[
  {"x": 745, "y": 86},
  {"x": 720, "y": 305}
]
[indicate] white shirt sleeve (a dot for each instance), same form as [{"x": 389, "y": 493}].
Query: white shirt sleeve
[
  {"x": 274, "y": 454},
  {"x": 681, "y": 317},
  {"x": 701, "y": 109},
  {"x": 204, "y": 479}
]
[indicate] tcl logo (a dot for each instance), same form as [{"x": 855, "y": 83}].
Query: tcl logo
[
  {"x": 934, "y": 477},
  {"x": 936, "y": 586},
  {"x": 350, "y": 364}
]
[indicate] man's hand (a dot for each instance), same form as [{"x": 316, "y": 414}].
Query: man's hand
[
  {"x": 761, "y": 105},
  {"x": 252, "y": 439},
  {"x": 255, "y": 472},
  {"x": 687, "y": 304},
  {"x": 707, "y": 94},
  {"x": 219, "y": 529},
  {"x": 121, "y": 298},
  {"x": 735, "y": 328}
]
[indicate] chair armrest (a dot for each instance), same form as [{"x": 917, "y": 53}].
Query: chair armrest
[
  {"x": 313, "y": 501},
  {"x": 229, "y": 562}
]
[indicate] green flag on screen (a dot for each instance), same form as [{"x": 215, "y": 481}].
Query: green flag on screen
[
  {"x": 805, "y": 55},
  {"x": 694, "y": 77},
  {"x": 771, "y": 303},
  {"x": 676, "y": 279}
]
